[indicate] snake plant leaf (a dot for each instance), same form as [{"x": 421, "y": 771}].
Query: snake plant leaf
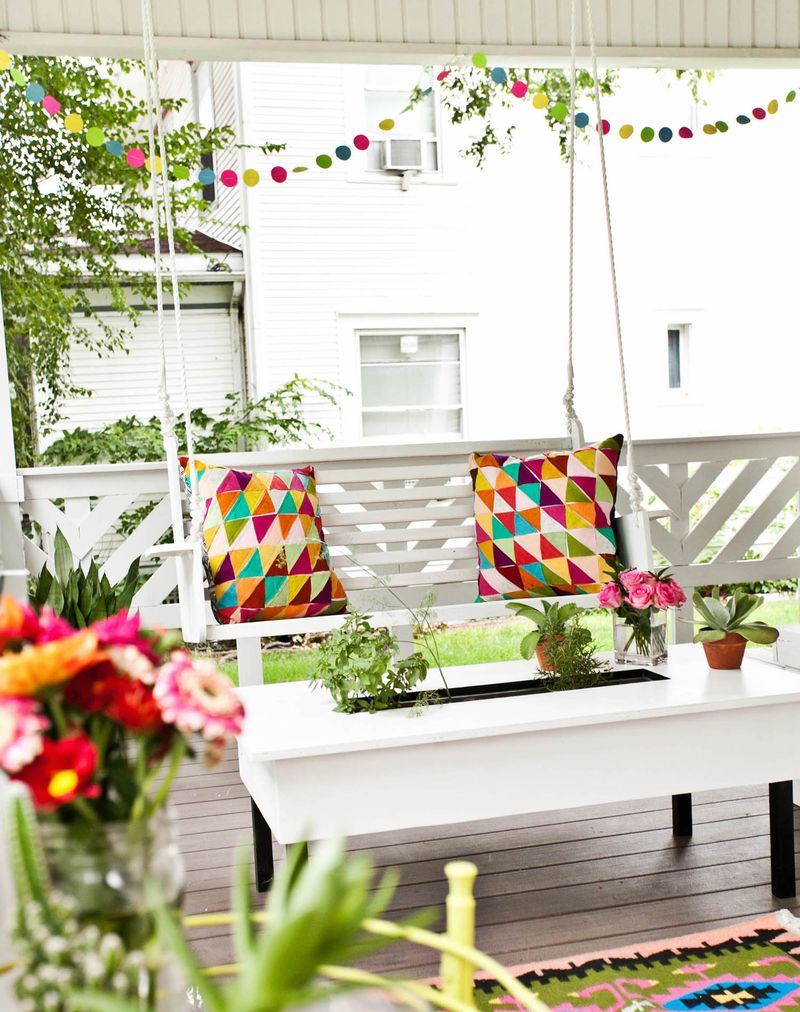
[
  {"x": 758, "y": 632},
  {"x": 43, "y": 585},
  {"x": 62, "y": 556},
  {"x": 529, "y": 643}
]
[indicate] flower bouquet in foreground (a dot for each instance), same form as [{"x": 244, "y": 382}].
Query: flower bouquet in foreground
[
  {"x": 96, "y": 722},
  {"x": 639, "y": 601}
]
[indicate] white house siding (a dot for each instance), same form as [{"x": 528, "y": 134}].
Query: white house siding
[
  {"x": 125, "y": 384},
  {"x": 322, "y": 245},
  {"x": 703, "y": 231}
]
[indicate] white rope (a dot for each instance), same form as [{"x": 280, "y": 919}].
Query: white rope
[
  {"x": 166, "y": 414},
  {"x": 574, "y": 427},
  {"x": 636, "y": 495},
  {"x": 155, "y": 123}
]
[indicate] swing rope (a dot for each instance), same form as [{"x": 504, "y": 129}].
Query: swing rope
[
  {"x": 574, "y": 427},
  {"x": 155, "y": 119},
  {"x": 635, "y": 488}
]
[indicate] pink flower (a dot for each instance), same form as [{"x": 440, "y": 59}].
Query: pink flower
[
  {"x": 123, "y": 630},
  {"x": 610, "y": 597},
  {"x": 631, "y": 578},
  {"x": 194, "y": 696},
  {"x": 52, "y": 627},
  {"x": 21, "y": 726},
  {"x": 666, "y": 594},
  {"x": 640, "y": 596}
]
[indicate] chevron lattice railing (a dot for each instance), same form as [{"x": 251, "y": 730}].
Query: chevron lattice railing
[{"x": 727, "y": 512}]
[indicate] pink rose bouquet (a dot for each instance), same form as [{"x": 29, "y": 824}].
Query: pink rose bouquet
[{"x": 636, "y": 596}]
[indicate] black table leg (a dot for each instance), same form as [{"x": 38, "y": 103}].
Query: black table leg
[
  {"x": 262, "y": 849},
  {"x": 682, "y": 814},
  {"x": 781, "y": 839}
]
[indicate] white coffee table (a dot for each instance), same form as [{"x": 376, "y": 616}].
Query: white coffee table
[{"x": 313, "y": 773}]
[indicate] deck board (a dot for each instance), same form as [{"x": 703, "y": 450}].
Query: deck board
[{"x": 551, "y": 884}]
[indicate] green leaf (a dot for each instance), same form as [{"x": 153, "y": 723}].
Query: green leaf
[
  {"x": 709, "y": 635},
  {"x": 42, "y": 589},
  {"x": 758, "y": 632},
  {"x": 529, "y": 643},
  {"x": 718, "y": 613},
  {"x": 62, "y": 556}
]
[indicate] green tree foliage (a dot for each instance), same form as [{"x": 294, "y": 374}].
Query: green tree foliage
[
  {"x": 276, "y": 419},
  {"x": 66, "y": 211},
  {"x": 469, "y": 94}
]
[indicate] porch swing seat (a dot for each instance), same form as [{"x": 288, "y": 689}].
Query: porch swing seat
[{"x": 398, "y": 517}]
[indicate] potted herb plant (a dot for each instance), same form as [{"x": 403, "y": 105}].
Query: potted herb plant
[
  {"x": 550, "y": 620},
  {"x": 573, "y": 663},
  {"x": 724, "y": 627},
  {"x": 357, "y": 664}
]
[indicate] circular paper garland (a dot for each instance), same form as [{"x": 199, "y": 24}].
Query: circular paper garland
[{"x": 136, "y": 158}]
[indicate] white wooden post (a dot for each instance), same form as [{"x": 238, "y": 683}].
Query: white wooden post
[
  {"x": 12, "y": 555},
  {"x": 680, "y": 527}
]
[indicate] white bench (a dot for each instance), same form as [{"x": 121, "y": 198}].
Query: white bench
[{"x": 394, "y": 516}]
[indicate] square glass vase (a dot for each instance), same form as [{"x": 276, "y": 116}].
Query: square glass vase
[{"x": 642, "y": 644}]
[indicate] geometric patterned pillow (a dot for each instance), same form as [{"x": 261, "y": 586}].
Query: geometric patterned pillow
[
  {"x": 543, "y": 524},
  {"x": 265, "y": 551}
]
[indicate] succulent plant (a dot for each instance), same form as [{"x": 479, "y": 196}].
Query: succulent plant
[{"x": 718, "y": 618}]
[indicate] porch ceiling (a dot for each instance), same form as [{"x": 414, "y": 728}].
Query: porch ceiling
[{"x": 644, "y": 32}]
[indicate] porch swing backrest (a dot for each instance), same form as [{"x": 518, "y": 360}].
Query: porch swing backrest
[{"x": 400, "y": 528}]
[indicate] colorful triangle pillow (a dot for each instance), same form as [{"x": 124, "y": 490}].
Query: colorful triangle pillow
[
  {"x": 544, "y": 524},
  {"x": 265, "y": 551}
]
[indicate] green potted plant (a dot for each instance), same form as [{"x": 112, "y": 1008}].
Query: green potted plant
[
  {"x": 724, "y": 628},
  {"x": 551, "y": 621},
  {"x": 357, "y": 664},
  {"x": 573, "y": 663}
]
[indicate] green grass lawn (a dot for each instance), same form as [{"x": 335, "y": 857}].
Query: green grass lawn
[{"x": 476, "y": 642}]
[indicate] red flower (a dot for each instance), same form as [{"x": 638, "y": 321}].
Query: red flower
[
  {"x": 87, "y": 691},
  {"x": 62, "y": 772},
  {"x": 125, "y": 700},
  {"x": 132, "y": 704}
]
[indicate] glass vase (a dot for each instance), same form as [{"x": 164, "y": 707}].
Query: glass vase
[
  {"x": 108, "y": 872},
  {"x": 643, "y": 643}
]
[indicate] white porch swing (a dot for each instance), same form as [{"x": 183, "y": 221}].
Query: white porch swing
[{"x": 396, "y": 516}]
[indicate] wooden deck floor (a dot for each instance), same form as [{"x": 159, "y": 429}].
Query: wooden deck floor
[{"x": 549, "y": 885}]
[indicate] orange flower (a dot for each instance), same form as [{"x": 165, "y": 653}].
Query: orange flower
[
  {"x": 38, "y": 667},
  {"x": 17, "y": 621}
]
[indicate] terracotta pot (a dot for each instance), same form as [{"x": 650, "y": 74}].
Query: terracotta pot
[
  {"x": 726, "y": 654},
  {"x": 543, "y": 653}
]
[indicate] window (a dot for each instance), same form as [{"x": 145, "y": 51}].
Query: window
[
  {"x": 677, "y": 341},
  {"x": 411, "y": 384},
  {"x": 203, "y": 100},
  {"x": 413, "y": 144}
]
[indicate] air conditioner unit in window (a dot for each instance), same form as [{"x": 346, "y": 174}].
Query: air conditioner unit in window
[{"x": 402, "y": 155}]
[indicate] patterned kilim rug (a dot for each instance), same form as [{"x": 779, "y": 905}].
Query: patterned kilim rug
[{"x": 755, "y": 965}]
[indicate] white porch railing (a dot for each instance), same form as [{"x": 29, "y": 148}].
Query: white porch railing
[{"x": 731, "y": 507}]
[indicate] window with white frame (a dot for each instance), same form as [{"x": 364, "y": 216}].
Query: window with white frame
[
  {"x": 413, "y": 144},
  {"x": 677, "y": 356},
  {"x": 411, "y": 383}
]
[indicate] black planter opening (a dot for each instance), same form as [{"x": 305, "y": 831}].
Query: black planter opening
[{"x": 527, "y": 687}]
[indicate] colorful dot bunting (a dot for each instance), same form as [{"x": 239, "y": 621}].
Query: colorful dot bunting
[{"x": 136, "y": 158}]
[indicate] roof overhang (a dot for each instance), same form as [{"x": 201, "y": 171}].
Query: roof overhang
[{"x": 703, "y": 33}]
